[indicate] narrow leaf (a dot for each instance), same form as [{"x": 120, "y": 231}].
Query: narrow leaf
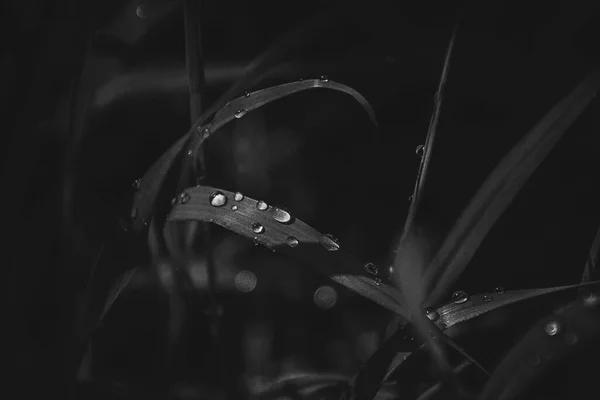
[
  {"x": 452, "y": 314},
  {"x": 501, "y": 187},
  {"x": 552, "y": 339},
  {"x": 150, "y": 185},
  {"x": 278, "y": 230}
]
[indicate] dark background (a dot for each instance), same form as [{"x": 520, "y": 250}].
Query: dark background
[{"x": 315, "y": 153}]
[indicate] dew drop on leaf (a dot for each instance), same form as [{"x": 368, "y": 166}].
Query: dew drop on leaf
[
  {"x": 330, "y": 242},
  {"x": 552, "y": 328},
  {"x": 136, "y": 184},
  {"x": 246, "y": 94},
  {"x": 282, "y": 216},
  {"x": 184, "y": 198},
  {"x": 420, "y": 150},
  {"x": 174, "y": 201},
  {"x": 238, "y": 196},
  {"x": 499, "y": 290},
  {"x": 292, "y": 241},
  {"x": 487, "y": 298},
  {"x": 217, "y": 199},
  {"x": 431, "y": 313},
  {"x": 258, "y": 228},
  {"x": 372, "y": 268},
  {"x": 459, "y": 297},
  {"x": 262, "y": 206},
  {"x": 240, "y": 113},
  {"x": 324, "y": 78},
  {"x": 234, "y": 208}
]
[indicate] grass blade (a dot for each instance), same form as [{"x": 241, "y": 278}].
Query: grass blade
[
  {"x": 292, "y": 237},
  {"x": 549, "y": 341},
  {"x": 452, "y": 314},
  {"x": 150, "y": 185},
  {"x": 501, "y": 187}
]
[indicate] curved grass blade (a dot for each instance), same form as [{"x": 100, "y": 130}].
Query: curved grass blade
[
  {"x": 278, "y": 230},
  {"x": 591, "y": 265},
  {"x": 393, "y": 353},
  {"x": 153, "y": 180},
  {"x": 501, "y": 187},
  {"x": 452, "y": 314},
  {"x": 551, "y": 340},
  {"x": 150, "y": 185},
  {"x": 240, "y": 106},
  {"x": 256, "y": 70}
]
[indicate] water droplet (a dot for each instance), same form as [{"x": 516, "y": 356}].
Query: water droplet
[
  {"x": 325, "y": 297},
  {"x": 262, "y": 206},
  {"x": 238, "y": 196},
  {"x": 184, "y": 198},
  {"x": 552, "y": 328},
  {"x": 246, "y": 94},
  {"x": 206, "y": 132},
  {"x": 432, "y": 314},
  {"x": 324, "y": 78},
  {"x": 174, "y": 201},
  {"x": 240, "y": 113},
  {"x": 140, "y": 11},
  {"x": 330, "y": 242},
  {"x": 459, "y": 297},
  {"x": 282, "y": 216},
  {"x": 217, "y": 199},
  {"x": 420, "y": 150},
  {"x": 258, "y": 228},
  {"x": 234, "y": 208},
  {"x": 245, "y": 281},
  {"x": 487, "y": 298},
  {"x": 377, "y": 280},
  {"x": 499, "y": 290},
  {"x": 372, "y": 268},
  {"x": 136, "y": 184},
  {"x": 292, "y": 241},
  {"x": 255, "y": 241},
  {"x": 190, "y": 152}
]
